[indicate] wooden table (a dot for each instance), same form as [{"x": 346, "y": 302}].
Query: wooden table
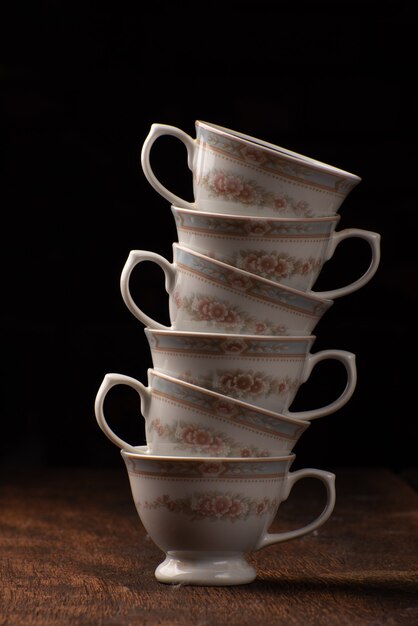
[{"x": 73, "y": 551}]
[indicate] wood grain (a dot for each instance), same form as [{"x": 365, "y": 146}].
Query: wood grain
[{"x": 73, "y": 552}]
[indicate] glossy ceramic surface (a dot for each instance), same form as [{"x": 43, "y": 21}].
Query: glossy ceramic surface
[
  {"x": 207, "y": 514},
  {"x": 208, "y": 295},
  {"x": 290, "y": 251},
  {"x": 236, "y": 173},
  {"x": 263, "y": 371},
  {"x": 183, "y": 419}
]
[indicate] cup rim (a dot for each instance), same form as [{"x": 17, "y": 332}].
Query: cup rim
[
  {"x": 269, "y": 283},
  {"x": 262, "y": 218},
  {"x": 201, "y": 333},
  {"x": 151, "y": 371},
  {"x": 294, "y": 157},
  {"x": 144, "y": 454}
]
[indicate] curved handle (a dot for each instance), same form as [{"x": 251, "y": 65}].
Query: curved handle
[
  {"x": 109, "y": 381},
  {"x": 328, "y": 479},
  {"x": 373, "y": 239},
  {"x": 156, "y": 131},
  {"x": 135, "y": 257},
  {"x": 348, "y": 359}
]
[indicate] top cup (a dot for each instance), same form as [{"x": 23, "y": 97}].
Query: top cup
[{"x": 237, "y": 174}]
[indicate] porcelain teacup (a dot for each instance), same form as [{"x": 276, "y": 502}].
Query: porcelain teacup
[
  {"x": 266, "y": 371},
  {"x": 236, "y": 173},
  {"x": 207, "y": 514},
  {"x": 209, "y": 295},
  {"x": 290, "y": 251},
  {"x": 182, "y": 419}
]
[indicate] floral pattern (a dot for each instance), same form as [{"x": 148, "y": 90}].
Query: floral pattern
[
  {"x": 226, "y": 408},
  {"x": 235, "y": 188},
  {"x": 191, "y": 468},
  {"x": 223, "y": 344},
  {"x": 216, "y": 312},
  {"x": 247, "y": 283},
  {"x": 214, "y": 505},
  {"x": 203, "y": 440},
  {"x": 275, "y": 265},
  {"x": 244, "y": 384},
  {"x": 253, "y": 227},
  {"x": 271, "y": 161},
  {"x": 241, "y": 383}
]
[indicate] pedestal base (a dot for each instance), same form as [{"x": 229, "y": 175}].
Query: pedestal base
[{"x": 199, "y": 568}]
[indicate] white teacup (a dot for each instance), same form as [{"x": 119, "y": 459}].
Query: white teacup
[
  {"x": 265, "y": 371},
  {"x": 290, "y": 251},
  {"x": 236, "y": 173},
  {"x": 207, "y": 514},
  {"x": 185, "y": 420},
  {"x": 208, "y": 295}
]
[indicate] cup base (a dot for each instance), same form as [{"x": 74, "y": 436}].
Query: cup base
[{"x": 199, "y": 568}]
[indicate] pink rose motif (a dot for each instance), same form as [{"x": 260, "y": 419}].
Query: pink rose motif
[
  {"x": 227, "y": 381},
  {"x": 250, "y": 262},
  {"x": 202, "y": 307},
  {"x": 171, "y": 505},
  {"x": 217, "y": 311},
  {"x": 252, "y": 154},
  {"x": 202, "y": 438},
  {"x": 280, "y": 330},
  {"x": 221, "y": 505},
  {"x": 204, "y": 506},
  {"x": 232, "y": 318},
  {"x": 236, "y": 508},
  {"x": 223, "y": 408},
  {"x": 282, "y": 387},
  {"x": 261, "y": 507},
  {"x": 188, "y": 434},
  {"x": 280, "y": 202},
  {"x": 239, "y": 282},
  {"x": 305, "y": 267},
  {"x": 267, "y": 264},
  {"x": 243, "y": 382},
  {"x": 247, "y": 194},
  {"x": 218, "y": 182},
  {"x": 216, "y": 445},
  {"x": 259, "y": 386},
  {"x": 234, "y": 346},
  {"x": 245, "y": 452},
  {"x": 302, "y": 205},
  {"x": 256, "y": 228},
  {"x": 233, "y": 185},
  {"x": 260, "y": 328},
  {"x": 283, "y": 267},
  {"x": 211, "y": 469}
]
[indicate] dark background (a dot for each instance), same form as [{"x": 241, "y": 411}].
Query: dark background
[{"x": 81, "y": 85}]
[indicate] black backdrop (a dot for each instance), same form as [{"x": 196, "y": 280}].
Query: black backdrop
[{"x": 82, "y": 84}]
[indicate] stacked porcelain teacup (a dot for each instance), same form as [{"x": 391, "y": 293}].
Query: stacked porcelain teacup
[{"x": 219, "y": 432}]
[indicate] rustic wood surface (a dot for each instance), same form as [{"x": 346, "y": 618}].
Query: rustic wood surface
[{"x": 73, "y": 551}]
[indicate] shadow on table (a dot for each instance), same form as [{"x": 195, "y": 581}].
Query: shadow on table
[{"x": 384, "y": 585}]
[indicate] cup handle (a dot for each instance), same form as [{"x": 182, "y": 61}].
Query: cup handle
[
  {"x": 348, "y": 359},
  {"x": 109, "y": 381},
  {"x": 135, "y": 257},
  {"x": 157, "y": 130},
  {"x": 373, "y": 240},
  {"x": 328, "y": 479}
]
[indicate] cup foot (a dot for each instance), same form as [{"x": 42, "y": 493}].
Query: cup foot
[{"x": 199, "y": 568}]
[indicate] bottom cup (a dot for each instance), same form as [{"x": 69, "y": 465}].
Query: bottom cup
[{"x": 206, "y": 513}]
